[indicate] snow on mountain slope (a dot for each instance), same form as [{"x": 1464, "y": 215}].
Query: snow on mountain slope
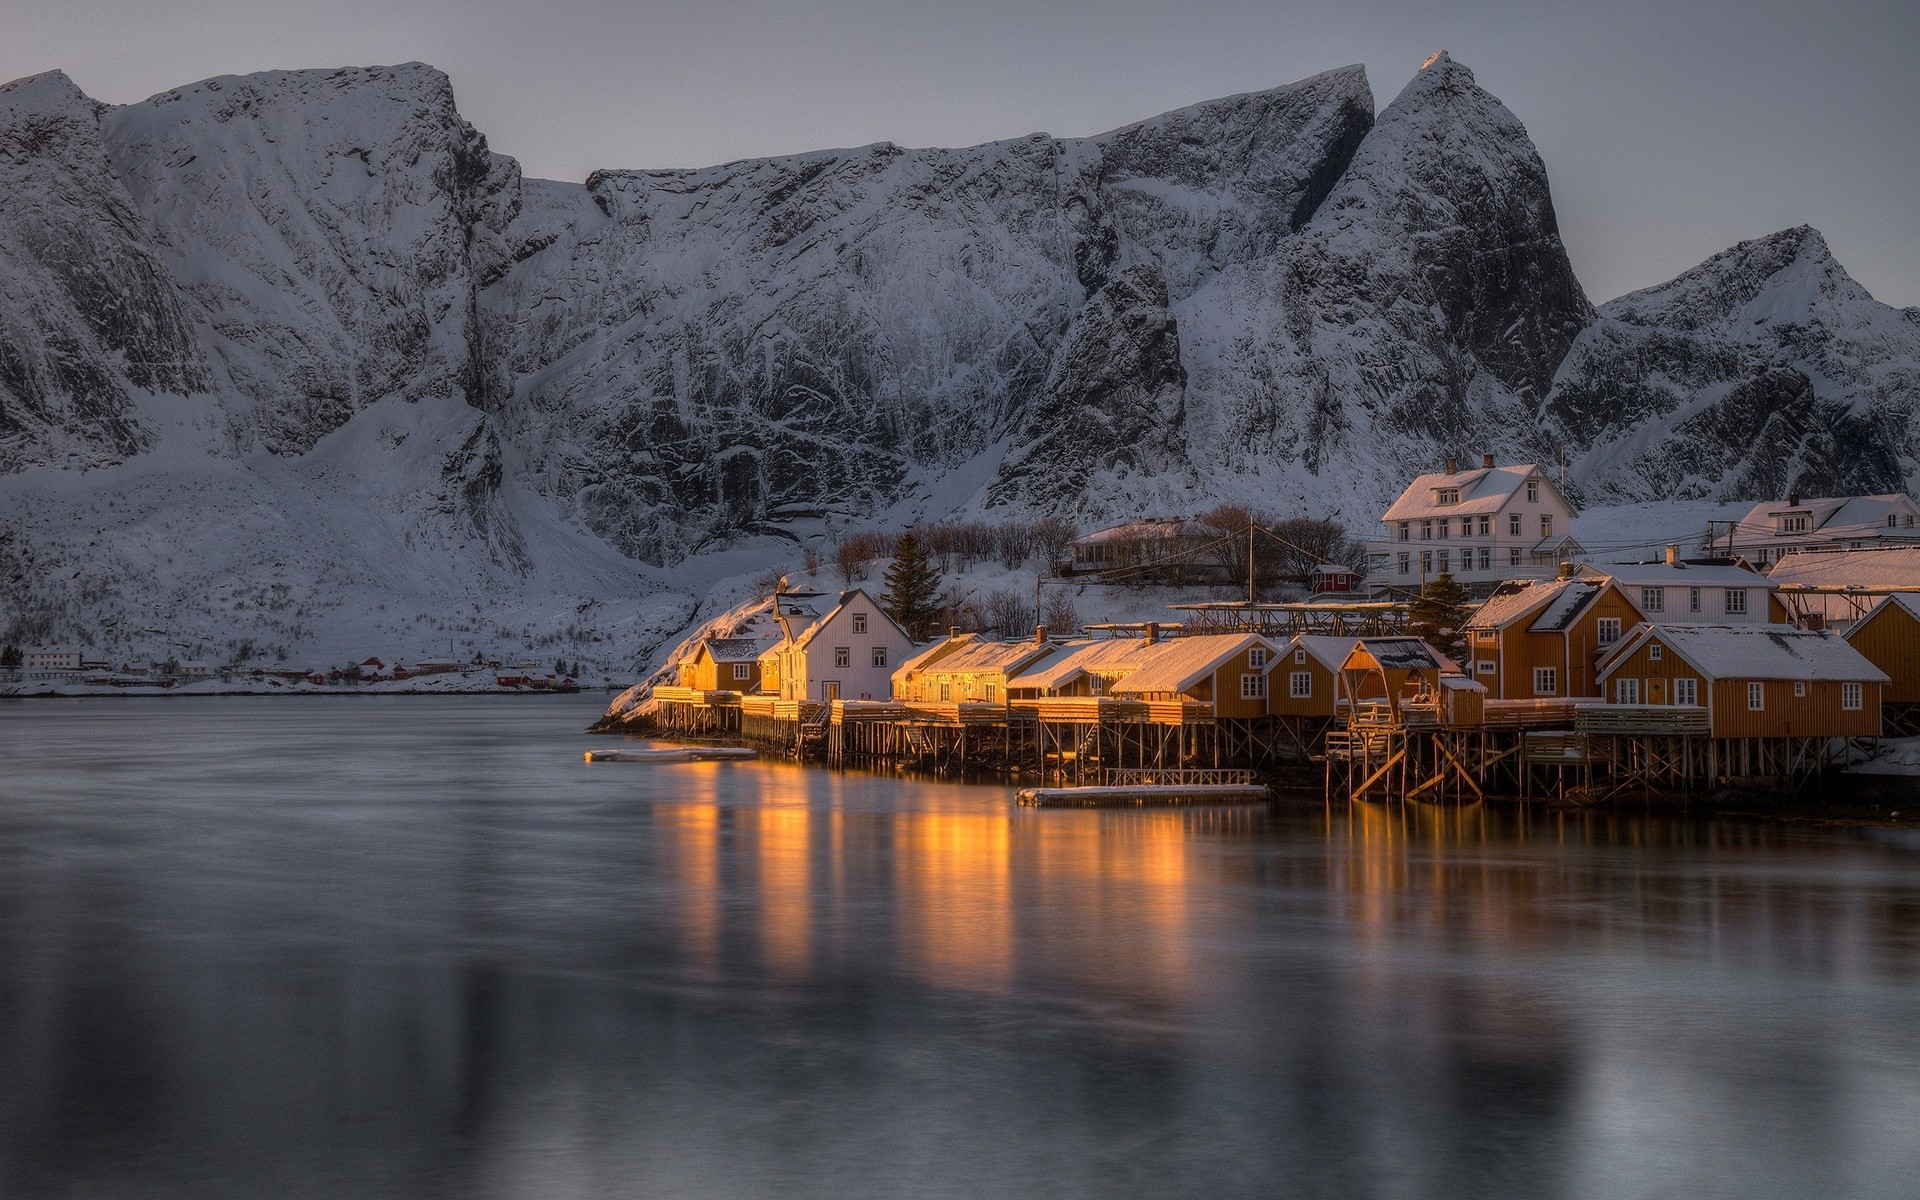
[
  {"x": 327, "y": 226},
  {"x": 1423, "y": 309},
  {"x": 89, "y": 317},
  {"x": 1764, "y": 370},
  {"x": 293, "y": 359},
  {"x": 733, "y": 348}
]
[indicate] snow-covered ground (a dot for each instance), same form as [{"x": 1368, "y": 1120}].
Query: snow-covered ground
[
  {"x": 1640, "y": 532},
  {"x": 1898, "y": 756}
]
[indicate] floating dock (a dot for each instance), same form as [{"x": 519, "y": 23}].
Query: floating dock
[
  {"x": 1140, "y": 795},
  {"x": 674, "y": 754}
]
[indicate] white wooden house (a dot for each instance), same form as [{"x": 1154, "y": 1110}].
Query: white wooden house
[
  {"x": 1772, "y": 528},
  {"x": 848, "y": 652},
  {"x": 1483, "y": 526}
]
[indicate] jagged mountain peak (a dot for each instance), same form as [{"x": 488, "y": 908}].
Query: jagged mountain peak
[
  {"x": 1779, "y": 275},
  {"x": 46, "y": 93}
]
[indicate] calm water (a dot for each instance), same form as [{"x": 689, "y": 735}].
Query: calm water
[{"x": 415, "y": 947}]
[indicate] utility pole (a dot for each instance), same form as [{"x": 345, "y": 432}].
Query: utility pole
[{"x": 1249, "y": 570}]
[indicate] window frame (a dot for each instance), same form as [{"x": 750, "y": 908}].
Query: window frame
[
  {"x": 1623, "y": 687},
  {"x": 880, "y": 658},
  {"x": 842, "y": 658},
  {"x": 1729, "y": 607},
  {"x": 1256, "y": 657},
  {"x": 1653, "y": 599},
  {"x": 1689, "y": 685},
  {"x": 1253, "y": 685},
  {"x": 859, "y": 622},
  {"x": 1546, "y": 681},
  {"x": 1852, "y": 695},
  {"x": 742, "y": 672},
  {"x": 1756, "y": 696},
  {"x": 1300, "y": 685}
]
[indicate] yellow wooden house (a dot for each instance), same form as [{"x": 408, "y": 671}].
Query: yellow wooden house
[{"x": 1755, "y": 681}]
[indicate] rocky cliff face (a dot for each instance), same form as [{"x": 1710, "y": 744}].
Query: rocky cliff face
[
  {"x": 323, "y": 291},
  {"x": 1764, "y": 370},
  {"x": 90, "y": 318}
]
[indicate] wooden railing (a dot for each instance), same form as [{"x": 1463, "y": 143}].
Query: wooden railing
[
  {"x": 1175, "y": 776},
  {"x": 1670, "y": 719}
]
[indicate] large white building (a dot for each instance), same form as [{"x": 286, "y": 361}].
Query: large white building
[
  {"x": 848, "y": 653},
  {"x": 1773, "y": 528},
  {"x": 51, "y": 658},
  {"x": 1482, "y": 526},
  {"x": 1681, "y": 592}
]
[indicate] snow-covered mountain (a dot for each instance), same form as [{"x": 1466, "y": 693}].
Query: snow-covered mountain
[{"x": 303, "y": 336}]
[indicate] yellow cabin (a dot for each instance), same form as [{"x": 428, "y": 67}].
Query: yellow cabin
[
  {"x": 1889, "y": 638},
  {"x": 1306, "y": 682},
  {"x": 724, "y": 665},
  {"x": 1227, "y": 671},
  {"x": 1755, "y": 681},
  {"x": 1541, "y": 639}
]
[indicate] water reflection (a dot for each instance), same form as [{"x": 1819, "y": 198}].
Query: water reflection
[{"x": 453, "y": 962}]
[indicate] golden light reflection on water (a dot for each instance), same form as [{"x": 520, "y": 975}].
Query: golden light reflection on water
[
  {"x": 782, "y": 829},
  {"x": 690, "y": 833},
  {"x": 951, "y": 871}
]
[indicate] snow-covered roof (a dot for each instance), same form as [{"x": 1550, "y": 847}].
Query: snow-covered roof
[
  {"x": 738, "y": 649},
  {"x": 847, "y": 597},
  {"x": 1482, "y": 490},
  {"x": 972, "y": 654},
  {"x": 1329, "y": 651},
  {"x": 1077, "y": 658},
  {"x": 1402, "y": 654},
  {"x": 1179, "y": 663},
  {"x": 1682, "y": 574},
  {"x": 1460, "y": 683},
  {"x": 1828, "y": 517},
  {"x": 1148, "y": 529},
  {"x": 1907, "y": 600},
  {"x": 1565, "y": 607},
  {"x": 1513, "y": 600},
  {"x": 1891, "y": 566},
  {"x": 1752, "y": 652}
]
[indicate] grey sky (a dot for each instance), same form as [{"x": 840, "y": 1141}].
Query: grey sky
[{"x": 1670, "y": 129}]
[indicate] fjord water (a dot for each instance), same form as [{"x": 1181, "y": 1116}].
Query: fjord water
[{"x": 415, "y": 946}]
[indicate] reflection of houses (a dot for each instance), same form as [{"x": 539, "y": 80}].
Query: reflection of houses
[
  {"x": 1482, "y": 526},
  {"x": 1754, "y": 681},
  {"x": 1169, "y": 548},
  {"x": 1771, "y": 528}
]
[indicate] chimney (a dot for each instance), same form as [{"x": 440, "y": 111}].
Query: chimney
[
  {"x": 1673, "y": 555},
  {"x": 1793, "y": 499},
  {"x": 1567, "y": 569},
  {"x": 1153, "y": 632},
  {"x": 1040, "y": 634},
  {"x": 1453, "y": 465},
  {"x": 1815, "y": 621},
  {"x": 1486, "y": 460},
  {"x": 953, "y": 631}
]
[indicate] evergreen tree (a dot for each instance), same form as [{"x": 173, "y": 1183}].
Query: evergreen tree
[
  {"x": 913, "y": 588},
  {"x": 1437, "y": 615},
  {"x": 10, "y": 656}
]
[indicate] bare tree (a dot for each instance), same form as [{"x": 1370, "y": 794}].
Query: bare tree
[
  {"x": 1301, "y": 544},
  {"x": 853, "y": 558},
  {"x": 1013, "y": 542},
  {"x": 1061, "y": 616},
  {"x": 1008, "y": 613},
  {"x": 1051, "y": 536}
]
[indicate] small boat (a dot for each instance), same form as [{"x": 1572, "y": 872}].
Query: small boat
[{"x": 673, "y": 754}]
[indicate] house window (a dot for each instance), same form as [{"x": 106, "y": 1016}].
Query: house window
[
  {"x": 1448, "y": 496},
  {"x": 1546, "y": 681},
  {"x": 1736, "y": 600},
  {"x": 1653, "y": 600},
  {"x": 1756, "y": 697},
  {"x": 993, "y": 693},
  {"x": 1907, "y": 520},
  {"x": 1533, "y": 491},
  {"x": 1253, "y": 686},
  {"x": 842, "y": 656},
  {"x": 1546, "y": 525},
  {"x": 1486, "y": 666},
  {"x": 1426, "y": 562},
  {"x": 1257, "y": 656},
  {"x": 1300, "y": 657},
  {"x": 1443, "y": 523},
  {"x": 1693, "y": 599},
  {"x": 1850, "y": 695},
  {"x": 1426, "y": 530},
  {"x": 1655, "y": 652},
  {"x": 1513, "y": 557},
  {"x": 1405, "y": 562},
  {"x": 859, "y": 622},
  {"x": 1300, "y": 684},
  {"x": 1486, "y": 558},
  {"x": 1800, "y": 689},
  {"x": 1446, "y": 561},
  {"x": 946, "y": 690},
  {"x": 1793, "y": 524},
  {"x": 742, "y": 671},
  {"x": 1513, "y": 524},
  {"x": 1892, "y": 521},
  {"x": 879, "y": 656},
  {"x": 1486, "y": 526},
  {"x": 1609, "y": 630},
  {"x": 1686, "y": 691},
  {"x": 1626, "y": 691}
]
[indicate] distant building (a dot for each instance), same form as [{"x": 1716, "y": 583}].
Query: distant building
[
  {"x": 1694, "y": 591},
  {"x": 724, "y": 664},
  {"x": 1171, "y": 546},
  {"x": 1840, "y": 586},
  {"x": 52, "y": 658},
  {"x": 964, "y": 668},
  {"x": 1482, "y": 526},
  {"x": 1772, "y": 528}
]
